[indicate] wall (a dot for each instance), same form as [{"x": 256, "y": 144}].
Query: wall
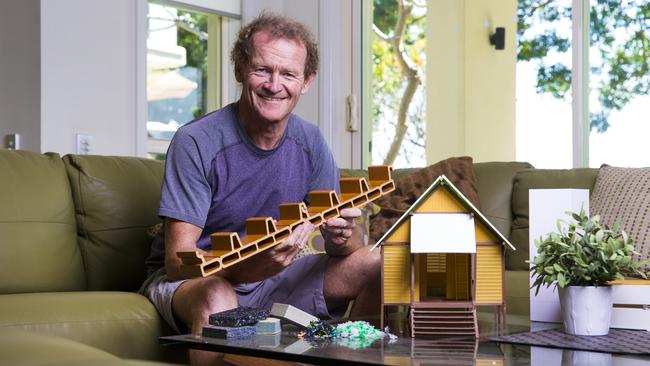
[
  {"x": 89, "y": 72},
  {"x": 88, "y": 85},
  {"x": 470, "y": 85},
  {"x": 20, "y": 72}
]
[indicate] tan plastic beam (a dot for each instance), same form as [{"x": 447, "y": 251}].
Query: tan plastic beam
[{"x": 263, "y": 233}]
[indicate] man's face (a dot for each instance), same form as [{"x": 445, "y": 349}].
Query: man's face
[{"x": 275, "y": 79}]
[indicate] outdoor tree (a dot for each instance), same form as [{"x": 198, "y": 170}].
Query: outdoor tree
[
  {"x": 193, "y": 36},
  {"x": 397, "y": 75},
  {"x": 618, "y": 72}
]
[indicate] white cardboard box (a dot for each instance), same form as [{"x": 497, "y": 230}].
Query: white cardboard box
[
  {"x": 545, "y": 207},
  {"x": 631, "y": 307}
]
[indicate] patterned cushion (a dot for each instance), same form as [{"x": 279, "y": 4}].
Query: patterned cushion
[{"x": 623, "y": 195}]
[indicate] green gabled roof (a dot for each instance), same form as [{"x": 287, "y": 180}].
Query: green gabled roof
[{"x": 444, "y": 181}]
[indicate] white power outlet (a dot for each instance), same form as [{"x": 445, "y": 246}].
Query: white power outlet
[
  {"x": 85, "y": 144},
  {"x": 12, "y": 141}
]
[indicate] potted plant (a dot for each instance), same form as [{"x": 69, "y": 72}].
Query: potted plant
[{"x": 581, "y": 259}]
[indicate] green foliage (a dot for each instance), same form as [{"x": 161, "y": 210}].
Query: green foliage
[
  {"x": 540, "y": 46},
  {"x": 619, "y": 33},
  {"x": 193, "y": 37},
  {"x": 389, "y": 79},
  {"x": 555, "y": 80},
  {"x": 384, "y": 14},
  {"x": 584, "y": 253}
]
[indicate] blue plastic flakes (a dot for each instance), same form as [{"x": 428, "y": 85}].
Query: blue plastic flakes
[
  {"x": 318, "y": 330},
  {"x": 215, "y": 331}
]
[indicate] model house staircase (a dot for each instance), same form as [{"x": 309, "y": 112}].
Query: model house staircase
[
  {"x": 444, "y": 319},
  {"x": 445, "y": 351}
]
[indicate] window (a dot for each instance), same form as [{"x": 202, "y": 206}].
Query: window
[
  {"x": 182, "y": 71},
  {"x": 397, "y": 95},
  {"x": 619, "y": 83},
  {"x": 605, "y": 83},
  {"x": 543, "y": 110}
]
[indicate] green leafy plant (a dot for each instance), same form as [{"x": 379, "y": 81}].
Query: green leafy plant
[{"x": 584, "y": 253}]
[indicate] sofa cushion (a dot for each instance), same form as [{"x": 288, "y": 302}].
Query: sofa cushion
[
  {"x": 116, "y": 202},
  {"x": 37, "y": 222},
  {"x": 623, "y": 195},
  {"x": 517, "y": 294},
  {"x": 494, "y": 182},
  {"x": 583, "y": 178},
  {"x": 121, "y": 323},
  {"x": 408, "y": 189},
  {"x": 19, "y": 347}
]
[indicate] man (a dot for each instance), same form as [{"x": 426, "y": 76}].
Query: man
[{"x": 243, "y": 161}]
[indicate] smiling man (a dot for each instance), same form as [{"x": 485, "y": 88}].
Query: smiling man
[{"x": 243, "y": 161}]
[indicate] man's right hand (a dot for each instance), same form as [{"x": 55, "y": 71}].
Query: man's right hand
[{"x": 270, "y": 261}]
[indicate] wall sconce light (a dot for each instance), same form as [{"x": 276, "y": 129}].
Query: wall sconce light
[{"x": 498, "y": 38}]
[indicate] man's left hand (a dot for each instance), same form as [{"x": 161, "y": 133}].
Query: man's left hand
[{"x": 341, "y": 234}]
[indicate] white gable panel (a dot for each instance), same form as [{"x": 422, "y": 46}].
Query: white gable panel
[{"x": 442, "y": 233}]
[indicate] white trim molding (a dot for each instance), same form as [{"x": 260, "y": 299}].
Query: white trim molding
[
  {"x": 580, "y": 82},
  {"x": 141, "y": 105}
]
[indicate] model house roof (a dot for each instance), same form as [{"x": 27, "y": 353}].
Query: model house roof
[{"x": 444, "y": 181}]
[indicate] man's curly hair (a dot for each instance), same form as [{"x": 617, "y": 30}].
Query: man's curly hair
[{"x": 278, "y": 27}]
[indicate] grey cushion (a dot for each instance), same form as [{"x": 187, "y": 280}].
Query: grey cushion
[
  {"x": 623, "y": 195},
  {"x": 538, "y": 179},
  {"x": 494, "y": 182}
]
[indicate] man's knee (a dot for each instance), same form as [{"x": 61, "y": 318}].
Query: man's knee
[{"x": 199, "y": 297}]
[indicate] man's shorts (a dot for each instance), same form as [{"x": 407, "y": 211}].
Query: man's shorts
[{"x": 300, "y": 285}]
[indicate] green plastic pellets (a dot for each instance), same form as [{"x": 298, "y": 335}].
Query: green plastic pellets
[{"x": 357, "y": 330}]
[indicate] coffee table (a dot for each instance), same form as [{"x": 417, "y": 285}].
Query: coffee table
[{"x": 407, "y": 351}]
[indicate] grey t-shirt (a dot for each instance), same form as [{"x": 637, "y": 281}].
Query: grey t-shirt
[{"x": 216, "y": 178}]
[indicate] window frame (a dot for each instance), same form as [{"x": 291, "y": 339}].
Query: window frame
[
  {"x": 580, "y": 82},
  {"x": 222, "y": 87}
]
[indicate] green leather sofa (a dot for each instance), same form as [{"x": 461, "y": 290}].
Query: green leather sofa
[{"x": 74, "y": 237}]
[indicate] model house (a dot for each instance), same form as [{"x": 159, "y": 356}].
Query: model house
[{"x": 443, "y": 258}]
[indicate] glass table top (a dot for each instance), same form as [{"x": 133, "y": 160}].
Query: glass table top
[{"x": 409, "y": 351}]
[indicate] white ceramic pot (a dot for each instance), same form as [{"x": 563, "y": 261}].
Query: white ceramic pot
[{"x": 586, "y": 310}]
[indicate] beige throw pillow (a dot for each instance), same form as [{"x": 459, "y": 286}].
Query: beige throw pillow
[{"x": 623, "y": 195}]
